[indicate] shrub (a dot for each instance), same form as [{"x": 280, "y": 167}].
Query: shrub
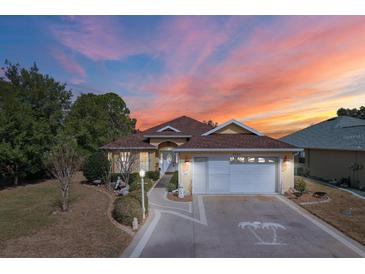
[
  {"x": 136, "y": 184},
  {"x": 126, "y": 208},
  {"x": 132, "y": 178},
  {"x": 153, "y": 175},
  {"x": 137, "y": 194},
  {"x": 174, "y": 182},
  {"x": 95, "y": 166},
  {"x": 299, "y": 185}
]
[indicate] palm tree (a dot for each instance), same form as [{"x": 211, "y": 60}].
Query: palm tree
[{"x": 254, "y": 226}]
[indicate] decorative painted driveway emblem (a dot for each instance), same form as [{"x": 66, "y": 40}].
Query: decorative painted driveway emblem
[{"x": 255, "y": 227}]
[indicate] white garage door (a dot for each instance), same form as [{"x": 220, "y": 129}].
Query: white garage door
[{"x": 234, "y": 175}]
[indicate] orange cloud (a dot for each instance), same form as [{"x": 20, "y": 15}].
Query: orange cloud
[{"x": 280, "y": 69}]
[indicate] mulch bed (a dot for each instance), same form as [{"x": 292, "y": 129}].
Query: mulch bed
[
  {"x": 306, "y": 197},
  {"x": 344, "y": 211},
  {"x": 172, "y": 197}
]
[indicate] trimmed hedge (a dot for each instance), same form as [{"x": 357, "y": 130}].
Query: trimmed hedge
[
  {"x": 138, "y": 196},
  {"x": 174, "y": 182},
  {"x": 126, "y": 208},
  {"x": 153, "y": 175},
  {"x": 95, "y": 165}
]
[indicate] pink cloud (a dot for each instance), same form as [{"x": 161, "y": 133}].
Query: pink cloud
[
  {"x": 71, "y": 66},
  {"x": 289, "y": 62},
  {"x": 269, "y": 73}
]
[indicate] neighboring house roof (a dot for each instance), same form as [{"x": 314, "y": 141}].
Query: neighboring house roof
[
  {"x": 339, "y": 133},
  {"x": 186, "y": 126},
  {"x": 234, "y": 141},
  {"x": 135, "y": 141}
]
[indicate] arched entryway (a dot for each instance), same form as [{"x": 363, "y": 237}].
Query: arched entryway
[{"x": 167, "y": 158}]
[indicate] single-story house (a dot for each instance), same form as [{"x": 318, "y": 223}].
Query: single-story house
[
  {"x": 230, "y": 158},
  {"x": 333, "y": 149}
]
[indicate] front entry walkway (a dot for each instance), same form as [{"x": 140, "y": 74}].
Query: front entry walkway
[{"x": 235, "y": 226}]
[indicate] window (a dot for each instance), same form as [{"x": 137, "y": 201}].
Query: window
[
  {"x": 143, "y": 158},
  {"x": 251, "y": 159},
  {"x": 237, "y": 159}
]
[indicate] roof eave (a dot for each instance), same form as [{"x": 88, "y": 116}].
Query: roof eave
[
  {"x": 335, "y": 148},
  {"x": 238, "y": 149},
  {"x": 131, "y": 148},
  {"x": 166, "y": 136}
]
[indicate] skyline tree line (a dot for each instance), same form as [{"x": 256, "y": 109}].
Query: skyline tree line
[{"x": 36, "y": 111}]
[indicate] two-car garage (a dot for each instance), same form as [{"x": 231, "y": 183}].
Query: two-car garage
[{"x": 234, "y": 174}]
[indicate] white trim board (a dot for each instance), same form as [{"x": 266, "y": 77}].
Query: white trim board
[
  {"x": 168, "y": 127},
  {"x": 166, "y": 136},
  {"x": 235, "y": 122}
]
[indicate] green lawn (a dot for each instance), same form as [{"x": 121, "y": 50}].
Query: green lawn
[
  {"x": 32, "y": 225},
  {"x": 24, "y": 210}
]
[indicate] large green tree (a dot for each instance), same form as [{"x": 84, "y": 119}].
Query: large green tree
[
  {"x": 95, "y": 120},
  {"x": 357, "y": 113},
  {"x": 32, "y": 111}
]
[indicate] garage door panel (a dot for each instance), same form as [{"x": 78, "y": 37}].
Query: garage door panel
[
  {"x": 252, "y": 178},
  {"x": 219, "y": 165},
  {"x": 218, "y": 183},
  {"x": 225, "y": 177}
]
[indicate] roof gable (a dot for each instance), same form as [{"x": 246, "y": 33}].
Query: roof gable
[
  {"x": 233, "y": 127},
  {"x": 185, "y": 125},
  {"x": 168, "y": 128}
]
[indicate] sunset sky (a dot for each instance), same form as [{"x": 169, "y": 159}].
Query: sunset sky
[{"x": 277, "y": 74}]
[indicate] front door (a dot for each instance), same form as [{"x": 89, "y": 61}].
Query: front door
[{"x": 167, "y": 161}]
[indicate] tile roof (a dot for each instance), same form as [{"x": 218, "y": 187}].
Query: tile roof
[
  {"x": 194, "y": 128},
  {"x": 235, "y": 141},
  {"x": 135, "y": 141},
  {"x": 186, "y": 125},
  {"x": 343, "y": 133},
  {"x": 166, "y": 133}
]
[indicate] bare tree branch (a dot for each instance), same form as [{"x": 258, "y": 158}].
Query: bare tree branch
[
  {"x": 127, "y": 162},
  {"x": 63, "y": 161}
]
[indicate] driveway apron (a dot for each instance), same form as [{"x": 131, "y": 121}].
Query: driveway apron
[{"x": 235, "y": 226}]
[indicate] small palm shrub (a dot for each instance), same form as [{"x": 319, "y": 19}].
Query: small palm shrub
[
  {"x": 95, "y": 166},
  {"x": 300, "y": 185}
]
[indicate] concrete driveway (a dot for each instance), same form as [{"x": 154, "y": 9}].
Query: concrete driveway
[{"x": 236, "y": 226}]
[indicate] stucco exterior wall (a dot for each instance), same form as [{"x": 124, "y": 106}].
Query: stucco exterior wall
[
  {"x": 334, "y": 164},
  {"x": 150, "y": 155},
  {"x": 285, "y": 169}
]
